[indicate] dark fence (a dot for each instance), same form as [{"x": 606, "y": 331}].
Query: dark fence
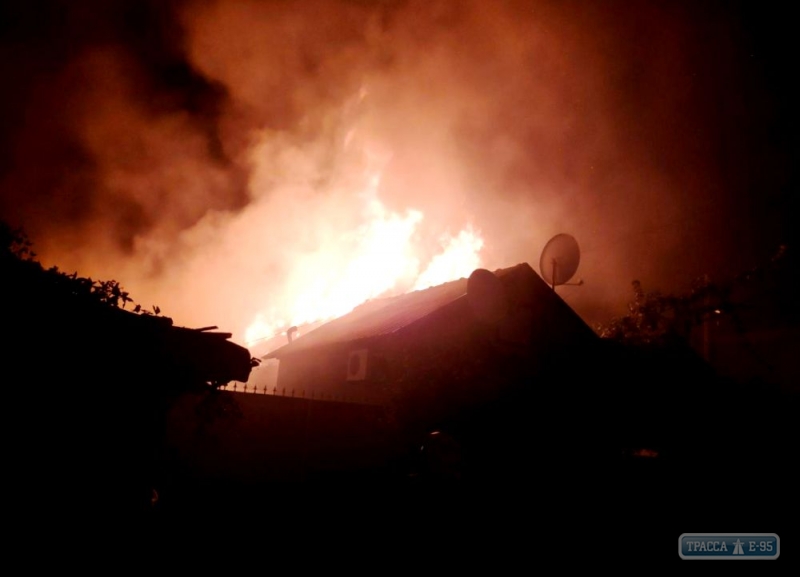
[{"x": 239, "y": 387}]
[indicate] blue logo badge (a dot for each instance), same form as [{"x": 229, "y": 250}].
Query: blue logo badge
[{"x": 737, "y": 546}]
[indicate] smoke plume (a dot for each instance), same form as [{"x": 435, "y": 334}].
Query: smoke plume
[{"x": 220, "y": 158}]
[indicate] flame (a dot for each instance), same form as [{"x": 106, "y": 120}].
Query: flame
[
  {"x": 459, "y": 257},
  {"x": 381, "y": 260},
  {"x": 381, "y": 256}
]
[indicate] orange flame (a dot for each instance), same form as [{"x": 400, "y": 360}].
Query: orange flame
[
  {"x": 380, "y": 257},
  {"x": 458, "y": 258},
  {"x": 381, "y": 260}
]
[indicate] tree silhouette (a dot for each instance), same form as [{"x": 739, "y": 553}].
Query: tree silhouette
[
  {"x": 19, "y": 264},
  {"x": 658, "y": 319}
]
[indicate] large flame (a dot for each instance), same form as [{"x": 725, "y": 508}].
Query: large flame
[
  {"x": 459, "y": 257},
  {"x": 380, "y": 257}
]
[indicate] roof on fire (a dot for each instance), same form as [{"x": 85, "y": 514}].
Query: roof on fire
[{"x": 389, "y": 315}]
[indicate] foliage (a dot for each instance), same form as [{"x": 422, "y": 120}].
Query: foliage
[
  {"x": 656, "y": 318},
  {"x": 19, "y": 263},
  {"x": 14, "y": 244}
]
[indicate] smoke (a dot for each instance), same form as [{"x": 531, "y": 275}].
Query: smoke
[{"x": 215, "y": 156}]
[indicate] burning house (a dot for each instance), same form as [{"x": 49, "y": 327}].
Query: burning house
[{"x": 453, "y": 344}]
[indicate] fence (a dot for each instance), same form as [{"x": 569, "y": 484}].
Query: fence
[{"x": 239, "y": 387}]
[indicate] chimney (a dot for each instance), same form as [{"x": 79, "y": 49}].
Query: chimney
[{"x": 290, "y": 333}]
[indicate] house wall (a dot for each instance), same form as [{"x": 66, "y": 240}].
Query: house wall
[{"x": 322, "y": 374}]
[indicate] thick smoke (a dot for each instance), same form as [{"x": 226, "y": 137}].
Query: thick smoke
[{"x": 204, "y": 152}]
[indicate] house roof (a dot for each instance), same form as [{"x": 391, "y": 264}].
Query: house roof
[{"x": 388, "y": 315}]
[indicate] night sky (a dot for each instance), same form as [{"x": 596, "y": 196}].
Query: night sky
[{"x": 197, "y": 151}]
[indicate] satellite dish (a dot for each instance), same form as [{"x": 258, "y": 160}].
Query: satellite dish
[
  {"x": 486, "y": 296},
  {"x": 560, "y": 259}
]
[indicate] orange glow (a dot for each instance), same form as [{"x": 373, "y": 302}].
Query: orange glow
[
  {"x": 380, "y": 257},
  {"x": 381, "y": 260},
  {"x": 458, "y": 259}
]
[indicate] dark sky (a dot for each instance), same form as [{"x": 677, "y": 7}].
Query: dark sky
[{"x": 203, "y": 152}]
